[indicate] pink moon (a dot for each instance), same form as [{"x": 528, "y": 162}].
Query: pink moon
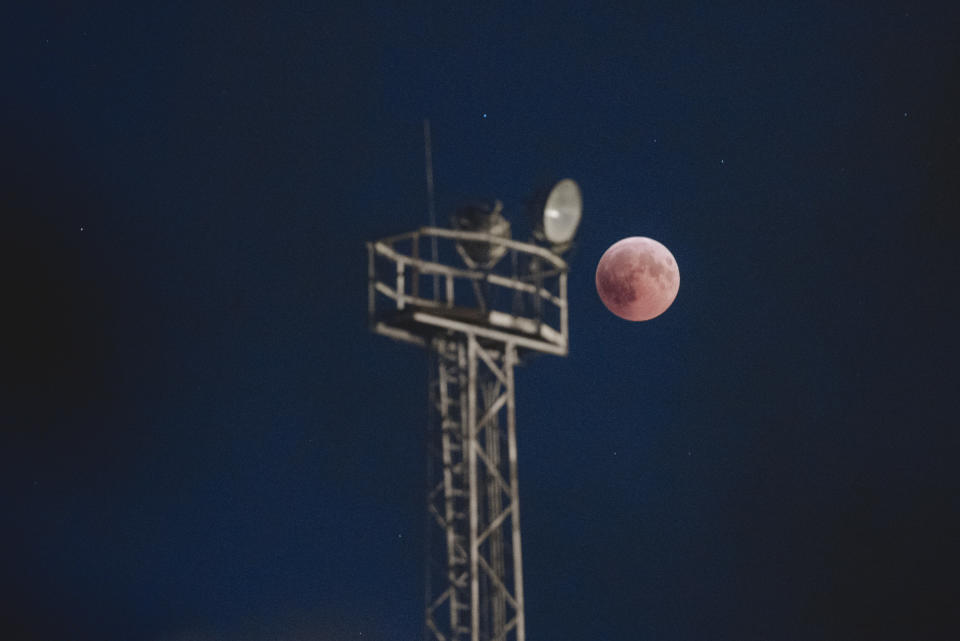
[{"x": 637, "y": 278}]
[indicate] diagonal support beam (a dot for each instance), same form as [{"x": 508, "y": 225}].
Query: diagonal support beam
[
  {"x": 496, "y": 580},
  {"x": 485, "y": 357},
  {"x": 497, "y": 522},
  {"x": 492, "y": 470},
  {"x": 495, "y": 407}
]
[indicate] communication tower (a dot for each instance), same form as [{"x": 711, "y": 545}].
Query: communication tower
[{"x": 480, "y": 303}]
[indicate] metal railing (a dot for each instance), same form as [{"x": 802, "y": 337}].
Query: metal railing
[{"x": 530, "y": 279}]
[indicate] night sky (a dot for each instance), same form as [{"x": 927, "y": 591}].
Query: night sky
[{"x": 203, "y": 441}]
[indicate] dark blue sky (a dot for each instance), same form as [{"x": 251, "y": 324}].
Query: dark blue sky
[{"x": 202, "y": 440}]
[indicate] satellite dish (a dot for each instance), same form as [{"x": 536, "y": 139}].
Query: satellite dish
[{"x": 560, "y": 215}]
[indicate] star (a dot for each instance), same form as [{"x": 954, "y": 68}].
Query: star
[{"x": 484, "y": 116}]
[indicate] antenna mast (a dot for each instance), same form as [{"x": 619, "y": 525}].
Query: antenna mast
[
  {"x": 431, "y": 207},
  {"x": 474, "y": 574}
]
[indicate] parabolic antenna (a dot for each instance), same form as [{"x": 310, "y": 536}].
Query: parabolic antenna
[{"x": 562, "y": 211}]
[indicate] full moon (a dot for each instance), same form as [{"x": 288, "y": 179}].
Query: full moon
[{"x": 637, "y": 278}]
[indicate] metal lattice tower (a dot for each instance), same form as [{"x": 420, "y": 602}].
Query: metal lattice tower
[{"x": 477, "y": 323}]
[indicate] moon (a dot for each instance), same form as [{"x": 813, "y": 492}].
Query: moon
[{"x": 637, "y": 278}]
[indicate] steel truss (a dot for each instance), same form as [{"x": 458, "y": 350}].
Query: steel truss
[
  {"x": 472, "y": 322},
  {"x": 475, "y": 577}
]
